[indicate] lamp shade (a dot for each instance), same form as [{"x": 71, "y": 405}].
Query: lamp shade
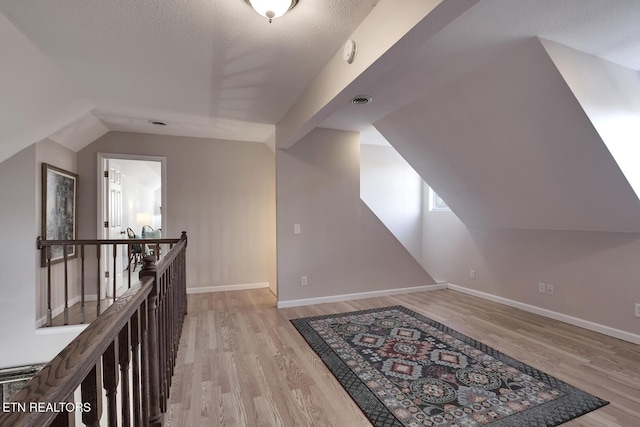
[
  {"x": 271, "y": 9},
  {"x": 143, "y": 218}
]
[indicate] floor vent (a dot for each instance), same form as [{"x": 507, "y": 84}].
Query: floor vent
[{"x": 12, "y": 380}]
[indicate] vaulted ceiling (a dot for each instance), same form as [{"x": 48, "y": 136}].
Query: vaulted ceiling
[
  {"x": 208, "y": 68},
  {"x": 74, "y": 69}
]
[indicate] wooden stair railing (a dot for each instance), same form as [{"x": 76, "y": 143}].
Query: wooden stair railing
[
  {"x": 132, "y": 347},
  {"x": 112, "y": 249}
]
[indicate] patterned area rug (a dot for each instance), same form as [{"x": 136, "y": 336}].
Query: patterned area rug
[{"x": 404, "y": 369}]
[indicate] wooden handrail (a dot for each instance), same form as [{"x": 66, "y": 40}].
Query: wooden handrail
[
  {"x": 167, "y": 308},
  {"x": 141, "y": 331},
  {"x": 62, "y": 376},
  {"x": 124, "y": 248},
  {"x": 40, "y": 243}
]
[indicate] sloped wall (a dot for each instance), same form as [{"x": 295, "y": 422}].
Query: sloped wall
[
  {"x": 37, "y": 98},
  {"x": 342, "y": 248},
  {"x": 610, "y": 95},
  {"x": 509, "y": 146},
  {"x": 393, "y": 192}
]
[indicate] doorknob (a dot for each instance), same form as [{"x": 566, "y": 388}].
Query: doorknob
[{"x": 123, "y": 232}]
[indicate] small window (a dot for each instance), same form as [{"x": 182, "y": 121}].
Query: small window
[{"x": 436, "y": 203}]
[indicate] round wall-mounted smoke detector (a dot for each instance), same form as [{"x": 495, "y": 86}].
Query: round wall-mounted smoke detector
[
  {"x": 361, "y": 99},
  {"x": 349, "y": 51}
]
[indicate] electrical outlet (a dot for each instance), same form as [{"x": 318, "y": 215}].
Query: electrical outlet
[
  {"x": 542, "y": 288},
  {"x": 637, "y": 312},
  {"x": 472, "y": 274},
  {"x": 550, "y": 289},
  {"x": 296, "y": 228},
  {"x": 303, "y": 280}
]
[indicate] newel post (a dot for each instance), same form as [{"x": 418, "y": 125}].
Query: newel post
[
  {"x": 153, "y": 344},
  {"x": 183, "y": 274}
]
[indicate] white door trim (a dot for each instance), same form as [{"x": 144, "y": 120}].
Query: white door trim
[
  {"x": 101, "y": 196},
  {"x": 100, "y": 186}
]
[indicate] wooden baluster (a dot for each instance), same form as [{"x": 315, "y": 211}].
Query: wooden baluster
[
  {"x": 115, "y": 273},
  {"x": 179, "y": 312},
  {"x": 82, "y": 286},
  {"x": 49, "y": 319},
  {"x": 99, "y": 254},
  {"x": 171, "y": 326},
  {"x": 91, "y": 398},
  {"x": 135, "y": 364},
  {"x": 173, "y": 323},
  {"x": 161, "y": 342},
  {"x": 61, "y": 420},
  {"x": 129, "y": 248},
  {"x": 110, "y": 383},
  {"x": 145, "y": 360},
  {"x": 183, "y": 276},
  {"x": 153, "y": 345},
  {"x": 124, "y": 360},
  {"x": 65, "y": 256},
  {"x": 168, "y": 342}
]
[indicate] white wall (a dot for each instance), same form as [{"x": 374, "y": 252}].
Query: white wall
[
  {"x": 141, "y": 192},
  {"x": 610, "y": 96},
  {"x": 393, "y": 191}
]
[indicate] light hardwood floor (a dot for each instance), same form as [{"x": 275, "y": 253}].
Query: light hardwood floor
[{"x": 242, "y": 363}]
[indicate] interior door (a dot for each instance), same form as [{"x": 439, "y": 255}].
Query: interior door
[{"x": 113, "y": 229}]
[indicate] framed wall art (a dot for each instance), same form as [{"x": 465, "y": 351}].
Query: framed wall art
[{"x": 59, "y": 210}]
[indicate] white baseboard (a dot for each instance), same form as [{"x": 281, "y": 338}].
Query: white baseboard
[
  {"x": 56, "y": 311},
  {"x": 361, "y": 295},
  {"x": 586, "y": 324},
  {"x": 239, "y": 287},
  {"x": 59, "y": 310},
  {"x": 68, "y": 329}
]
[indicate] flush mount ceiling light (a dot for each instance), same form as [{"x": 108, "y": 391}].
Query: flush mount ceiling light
[{"x": 271, "y": 9}]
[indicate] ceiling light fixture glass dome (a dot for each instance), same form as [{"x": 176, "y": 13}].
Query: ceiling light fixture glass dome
[{"x": 272, "y": 9}]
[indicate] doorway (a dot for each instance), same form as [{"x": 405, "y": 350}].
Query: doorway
[{"x": 131, "y": 195}]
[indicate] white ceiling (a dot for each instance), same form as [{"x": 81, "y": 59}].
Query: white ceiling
[
  {"x": 609, "y": 29},
  {"x": 207, "y": 67},
  {"x": 216, "y": 68}
]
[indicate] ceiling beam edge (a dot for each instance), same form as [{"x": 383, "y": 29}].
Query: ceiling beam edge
[{"x": 387, "y": 35}]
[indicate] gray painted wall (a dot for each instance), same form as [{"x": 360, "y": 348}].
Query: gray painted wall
[
  {"x": 19, "y": 259},
  {"x": 343, "y": 247},
  {"x": 538, "y": 196},
  {"x": 594, "y": 273},
  {"x": 509, "y": 146},
  {"x": 48, "y": 151},
  {"x": 221, "y": 192}
]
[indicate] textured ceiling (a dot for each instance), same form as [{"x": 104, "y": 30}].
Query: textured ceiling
[
  {"x": 215, "y": 68},
  {"x": 202, "y": 65}
]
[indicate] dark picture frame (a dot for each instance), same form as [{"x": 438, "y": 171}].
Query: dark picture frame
[{"x": 59, "y": 211}]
